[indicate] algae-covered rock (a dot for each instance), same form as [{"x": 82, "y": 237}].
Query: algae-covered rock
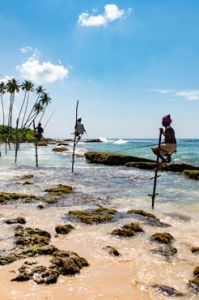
[
  {"x": 31, "y": 236},
  {"x": 112, "y": 251},
  {"x": 143, "y": 165},
  {"x": 148, "y": 218},
  {"x": 42, "y": 143},
  {"x": 27, "y": 183},
  {"x": 141, "y": 213},
  {"x": 26, "y": 176},
  {"x": 195, "y": 250},
  {"x": 162, "y": 237},
  {"x": 63, "y": 229},
  {"x": 60, "y": 149},
  {"x": 166, "y": 251},
  {"x": 113, "y": 159},
  {"x": 8, "y": 197},
  {"x": 63, "y": 263},
  {"x": 167, "y": 290},
  {"x": 18, "y": 220},
  {"x": 94, "y": 216},
  {"x": 128, "y": 230},
  {"x": 196, "y": 272},
  {"x": 194, "y": 283},
  {"x": 192, "y": 174},
  {"x": 59, "y": 190}
]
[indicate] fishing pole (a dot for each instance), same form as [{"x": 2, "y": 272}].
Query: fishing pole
[
  {"x": 49, "y": 118},
  {"x": 136, "y": 147}
]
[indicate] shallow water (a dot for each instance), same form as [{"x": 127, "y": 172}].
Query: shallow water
[{"x": 129, "y": 276}]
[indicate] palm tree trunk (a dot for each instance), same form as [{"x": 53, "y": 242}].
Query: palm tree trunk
[
  {"x": 22, "y": 105},
  {"x": 3, "y": 113},
  {"x": 27, "y": 101}
]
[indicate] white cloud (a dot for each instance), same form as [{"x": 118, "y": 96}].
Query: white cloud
[
  {"x": 111, "y": 13},
  {"x": 26, "y": 49},
  {"x": 41, "y": 72},
  {"x": 187, "y": 94},
  {"x": 5, "y": 79},
  {"x": 86, "y": 20}
]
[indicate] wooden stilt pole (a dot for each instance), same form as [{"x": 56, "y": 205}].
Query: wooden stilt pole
[
  {"x": 17, "y": 140},
  {"x": 156, "y": 174},
  {"x": 74, "y": 141},
  {"x": 36, "y": 152}
]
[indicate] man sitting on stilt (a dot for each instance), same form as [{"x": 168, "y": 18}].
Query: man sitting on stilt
[{"x": 168, "y": 147}]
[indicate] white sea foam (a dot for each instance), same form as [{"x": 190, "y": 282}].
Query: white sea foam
[
  {"x": 120, "y": 142},
  {"x": 104, "y": 140}
]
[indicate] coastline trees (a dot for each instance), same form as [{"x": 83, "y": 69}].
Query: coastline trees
[{"x": 28, "y": 107}]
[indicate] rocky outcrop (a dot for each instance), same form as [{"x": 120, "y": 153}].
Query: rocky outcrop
[
  {"x": 167, "y": 290},
  {"x": 60, "y": 149},
  {"x": 93, "y": 141},
  {"x": 63, "y": 229},
  {"x": 94, "y": 216},
  {"x": 128, "y": 230},
  {"x": 162, "y": 237},
  {"x": 59, "y": 190},
  {"x": 112, "y": 159}
]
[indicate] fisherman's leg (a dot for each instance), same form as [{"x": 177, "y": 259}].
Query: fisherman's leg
[{"x": 157, "y": 151}]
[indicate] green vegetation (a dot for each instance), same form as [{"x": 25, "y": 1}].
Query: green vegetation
[{"x": 24, "y": 135}]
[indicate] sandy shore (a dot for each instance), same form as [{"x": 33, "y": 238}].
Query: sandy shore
[{"x": 126, "y": 277}]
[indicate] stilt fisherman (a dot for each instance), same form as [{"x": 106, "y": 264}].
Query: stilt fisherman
[{"x": 168, "y": 147}]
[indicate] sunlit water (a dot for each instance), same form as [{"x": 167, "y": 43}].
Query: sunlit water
[{"x": 129, "y": 276}]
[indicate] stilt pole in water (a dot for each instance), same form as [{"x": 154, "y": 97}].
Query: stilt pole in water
[
  {"x": 74, "y": 141},
  {"x": 156, "y": 174},
  {"x": 17, "y": 140},
  {"x": 36, "y": 152}
]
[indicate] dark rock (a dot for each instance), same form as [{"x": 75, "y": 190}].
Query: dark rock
[
  {"x": 128, "y": 230},
  {"x": 192, "y": 174},
  {"x": 93, "y": 141},
  {"x": 167, "y": 290},
  {"x": 59, "y": 190},
  {"x": 112, "y": 159},
  {"x": 166, "y": 250},
  {"x": 63, "y": 229},
  {"x": 95, "y": 216},
  {"x": 162, "y": 237},
  {"x": 148, "y": 217},
  {"x": 31, "y": 236},
  {"x": 60, "y": 149},
  {"x": 27, "y": 183},
  {"x": 40, "y": 206},
  {"x": 112, "y": 251},
  {"x": 195, "y": 250},
  {"x": 18, "y": 220},
  {"x": 27, "y": 176}
]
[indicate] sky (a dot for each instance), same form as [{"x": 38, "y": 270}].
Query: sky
[{"x": 127, "y": 62}]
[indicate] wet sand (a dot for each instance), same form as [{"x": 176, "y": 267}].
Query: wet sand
[{"x": 126, "y": 277}]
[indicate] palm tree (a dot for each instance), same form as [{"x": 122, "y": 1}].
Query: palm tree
[
  {"x": 38, "y": 107},
  {"x": 28, "y": 87},
  {"x": 45, "y": 100},
  {"x": 2, "y": 92},
  {"x": 12, "y": 88},
  {"x": 39, "y": 91}
]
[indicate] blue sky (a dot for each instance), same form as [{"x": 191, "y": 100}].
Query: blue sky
[{"x": 128, "y": 62}]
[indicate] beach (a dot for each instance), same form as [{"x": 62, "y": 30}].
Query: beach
[{"x": 134, "y": 273}]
